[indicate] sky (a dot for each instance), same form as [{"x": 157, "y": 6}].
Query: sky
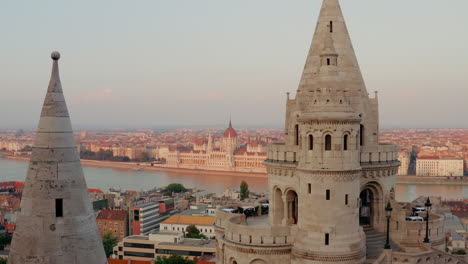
[{"x": 186, "y": 63}]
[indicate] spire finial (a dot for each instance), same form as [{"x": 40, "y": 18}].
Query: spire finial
[
  {"x": 230, "y": 123},
  {"x": 55, "y": 55}
]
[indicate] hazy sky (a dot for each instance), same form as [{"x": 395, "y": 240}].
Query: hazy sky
[{"x": 187, "y": 63}]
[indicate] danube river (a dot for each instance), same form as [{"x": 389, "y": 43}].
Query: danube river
[{"x": 105, "y": 178}]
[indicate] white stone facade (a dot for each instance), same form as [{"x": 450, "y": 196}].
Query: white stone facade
[
  {"x": 439, "y": 166},
  {"x": 331, "y": 178}
]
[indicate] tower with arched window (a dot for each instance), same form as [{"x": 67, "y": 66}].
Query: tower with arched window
[{"x": 330, "y": 180}]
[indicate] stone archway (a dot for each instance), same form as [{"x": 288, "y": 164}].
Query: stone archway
[
  {"x": 371, "y": 207},
  {"x": 258, "y": 261},
  {"x": 292, "y": 201},
  {"x": 366, "y": 198}
]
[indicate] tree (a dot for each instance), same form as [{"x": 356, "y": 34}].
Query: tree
[
  {"x": 193, "y": 232},
  {"x": 5, "y": 240},
  {"x": 175, "y": 188},
  {"x": 244, "y": 190},
  {"x": 109, "y": 241},
  {"x": 3, "y": 261},
  {"x": 173, "y": 260},
  {"x": 459, "y": 252}
]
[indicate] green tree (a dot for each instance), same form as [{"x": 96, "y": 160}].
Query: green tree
[
  {"x": 244, "y": 190},
  {"x": 459, "y": 252},
  {"x": 109, "y": 241},
  {"x": 5, "y": 240},
  {"x": 175, "y": 188},
  {"x": 3, "y": 261},
  {"x": 193, "y": 232},
  {"x": 173, "y": 260}
]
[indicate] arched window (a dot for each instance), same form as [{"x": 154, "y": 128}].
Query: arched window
[
  {"x": 345, "y": 142},
  {"x": 296, "y": 135},
  {"x": 361, "y": 133},
  {"x": 311, "y": 142},
  {"x": 328, "y": 142}
]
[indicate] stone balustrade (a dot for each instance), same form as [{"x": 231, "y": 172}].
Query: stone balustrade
[
  {"x": 428, "y": 256},
  {"x": 289, "y": 154},
  {"x": 282, "y": 153},
  {"x": 384, "y": 154},
  {"x": 411, "y": 233},
  {"x": 237, "y": 230},
  {"x": 432, "y": 256}
]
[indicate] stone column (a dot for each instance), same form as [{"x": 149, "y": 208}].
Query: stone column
[{"x": 286, "y": 210}]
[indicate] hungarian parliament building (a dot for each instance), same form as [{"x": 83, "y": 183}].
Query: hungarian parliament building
[{"x": 229, "y": 155}]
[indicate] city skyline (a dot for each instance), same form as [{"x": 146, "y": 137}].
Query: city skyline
[{"x": 199, "y": 73}]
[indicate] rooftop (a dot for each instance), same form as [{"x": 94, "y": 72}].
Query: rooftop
[
  {"x": 190, "y": 220},
  {"x": 138, "y": 237},
  {"x": 112, "y": 215},
  {"x": 192, "y": 242}
]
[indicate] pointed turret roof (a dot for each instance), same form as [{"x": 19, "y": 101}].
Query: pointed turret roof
[
  {"x": 331, "y": 28},
  {"x": 56, "y": 223},
  {"x": 230, "y": 132}
]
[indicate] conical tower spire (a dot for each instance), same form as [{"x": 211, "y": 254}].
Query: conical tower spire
[
  {"x": 331, "y": 28},
  {"x": 56, "y": 224}
]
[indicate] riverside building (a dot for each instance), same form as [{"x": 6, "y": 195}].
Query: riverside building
[
  {"x": 229, "y": 156},
  {"x": 330, "y": 182}
]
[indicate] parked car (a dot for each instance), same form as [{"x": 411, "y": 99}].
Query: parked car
[
  {"x": 414, "y": 219},
  {"x": 417, "y": 210}
]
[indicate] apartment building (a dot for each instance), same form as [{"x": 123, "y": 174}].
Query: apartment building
[
  {"x": 439, "y": 166},
  {"x": 165, "y": 243}
]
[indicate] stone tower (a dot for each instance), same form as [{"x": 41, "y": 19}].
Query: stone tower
[
  {"x": 57, "y": 223},
  {"x": 325, "y": 129},
  {"x": 331, "y": 178}
]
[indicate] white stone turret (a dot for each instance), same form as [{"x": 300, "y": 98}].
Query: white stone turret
[{"x": 57, "y": 223}]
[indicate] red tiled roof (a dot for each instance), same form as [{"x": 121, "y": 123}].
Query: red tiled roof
[
  {"x": 95, "y": 191},
  {"x": 112, "y": 215}
]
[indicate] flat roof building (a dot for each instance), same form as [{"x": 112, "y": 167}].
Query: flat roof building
[{"x": 165, "y": 243}]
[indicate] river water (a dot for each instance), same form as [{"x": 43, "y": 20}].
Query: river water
[{"x": 105, "y": 178}]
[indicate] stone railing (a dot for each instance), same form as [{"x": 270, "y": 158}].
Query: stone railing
[
  {"x": 237, "y": 230},
  {"x": 282, "y": 153},
  {"x": 384, "y": 154},
  {"x": 426, "y": 256},
  {"x": 433, "y": 256},
  {"x": 411, "y": 234}
]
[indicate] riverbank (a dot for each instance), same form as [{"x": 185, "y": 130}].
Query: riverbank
[
  {"x": 437, "y": 180},
  {"x": 148, "y": 168}
]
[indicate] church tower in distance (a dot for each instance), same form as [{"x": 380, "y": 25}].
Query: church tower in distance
[{"x": 57, "y": 223}]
